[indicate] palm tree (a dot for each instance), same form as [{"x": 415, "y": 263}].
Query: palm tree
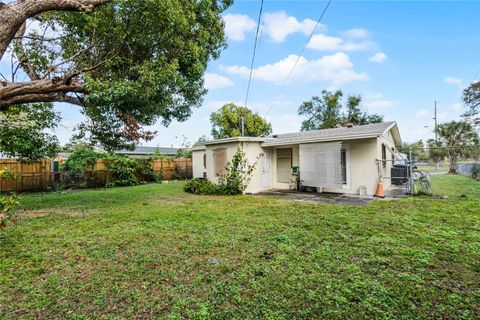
[{"x": 459, "y": 139}]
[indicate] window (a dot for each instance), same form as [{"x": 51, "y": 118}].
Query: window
[
  {"x": 284, "y": 165},
  {"x": 219, "y": 161},
  {"x": 384, "y": 156},
  {"x": 205, "y": 161},
  {"x": 343, "y": 166}
]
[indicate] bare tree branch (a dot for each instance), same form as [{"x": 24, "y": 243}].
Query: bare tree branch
[
  {"x": 13, "y": 15},
  {"x": 22, "y": 56}
]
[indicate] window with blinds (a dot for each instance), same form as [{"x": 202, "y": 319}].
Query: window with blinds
[
  {"x": 219, "y": 161},
  {"x": 284, "y": 165}
]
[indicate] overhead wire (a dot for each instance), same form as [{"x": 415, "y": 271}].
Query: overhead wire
[
  {"x": 298, "y": 58},
  {"x": 254, "y": 52}
]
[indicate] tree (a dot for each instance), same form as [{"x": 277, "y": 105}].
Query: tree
[
  {"x": 98, "y": 54},
  {"x": 326, "y": 111},
  {"x": 227, "y": 122},
  {"x": 418, "y": 150},
  {"x": 22, "y": 131},
  {"x": 471, "y": 98},
  {"x": 459, "y": 139}
]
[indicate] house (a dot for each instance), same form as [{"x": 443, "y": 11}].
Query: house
[
  {"x": 138, "y": 152},
  {"x": 339, "y": 160}
]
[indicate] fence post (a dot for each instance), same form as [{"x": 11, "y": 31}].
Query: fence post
[{"x": 410, "y": 170}]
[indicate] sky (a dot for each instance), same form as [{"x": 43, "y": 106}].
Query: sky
[{"x": 400, "y": 56}]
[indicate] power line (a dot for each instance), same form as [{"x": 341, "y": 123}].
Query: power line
[
  {"x": 299, "y": 56},
  {"x": 475, "y": 77},
  {"x": 254, "y": 52}
]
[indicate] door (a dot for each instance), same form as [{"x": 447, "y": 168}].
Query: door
[
  {"x": 266, "y": 169},
  {"x": 284, "y": 165}
]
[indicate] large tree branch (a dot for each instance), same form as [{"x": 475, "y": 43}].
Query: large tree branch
[
  {"x": 13, "y": 15},
  {"x": 46, "y": 90},
  {"x": 33, "y": 98}
]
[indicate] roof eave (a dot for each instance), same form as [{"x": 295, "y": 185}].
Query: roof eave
[
  {"x": 396, "y": 133},
  {"x": 299, "y": 141},
  {"x": 235, "y": 139}
]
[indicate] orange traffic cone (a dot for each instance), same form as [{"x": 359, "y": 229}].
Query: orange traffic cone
[{"x": 380, "y": 193}]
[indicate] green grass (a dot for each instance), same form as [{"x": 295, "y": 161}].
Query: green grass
[{"x": 144, "y": 252}]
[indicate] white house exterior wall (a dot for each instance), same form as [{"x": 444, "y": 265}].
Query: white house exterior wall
[
  {"x": 252, "y": 151},
  {"x": 197, "y": 163},
  {"x": 387, "y": 140}
]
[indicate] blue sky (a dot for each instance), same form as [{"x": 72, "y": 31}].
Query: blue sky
[{"x": 399, "y": 55}]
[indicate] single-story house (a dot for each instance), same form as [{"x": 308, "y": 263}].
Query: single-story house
[
  {"x": 138, "y": 152},
  {"x": 338, "y": 160}
]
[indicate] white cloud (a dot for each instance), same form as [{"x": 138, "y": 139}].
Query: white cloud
[
  {"x": 377, "y": 101},
  {"x": 278, "y": 25},
  {"x": 336, "y": 68},
  {"x": 456, "y": 106},
  {"x": 356, "y": 33},
  {"x": 453, "y": 80},
  {"x": 421, "y": 113},
  {"x": 327, "y": 43},
  {"x": 378, "y": 57},
  {"x": 442, "y": 116},
  {"x": 215, "y": 81},
  {"x": 236, "y": 25}
]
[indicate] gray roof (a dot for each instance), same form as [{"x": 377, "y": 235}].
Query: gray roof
[
  {"x": 344, "y": 133},
  {"x": 146, "y": 151}
]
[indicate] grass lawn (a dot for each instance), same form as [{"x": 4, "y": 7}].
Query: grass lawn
[{"x": 154, "y": 251}]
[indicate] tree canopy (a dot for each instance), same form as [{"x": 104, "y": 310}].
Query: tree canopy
[
  {"x": 227, "y": 122},
  {"x": 127, "y": 63},
  {"x": 471, "y": 98},
  {"x": 22, "y": 131},
  {"x": 456, "y": 139},
  {"x": 326, "y": 111}
]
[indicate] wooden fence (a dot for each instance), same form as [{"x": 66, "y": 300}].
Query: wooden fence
[{"x": 45, "y": 174}]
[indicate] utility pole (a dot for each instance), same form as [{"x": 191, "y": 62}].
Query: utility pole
[
  {"x": 435, "y": 118},
  {"x": 243, "y": 127}
]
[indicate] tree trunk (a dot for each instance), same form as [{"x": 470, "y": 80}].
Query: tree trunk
[{"x": 453, "y": 164}]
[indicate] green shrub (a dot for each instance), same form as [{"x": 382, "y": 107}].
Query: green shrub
[
  {"x": 7, "y": 208},
  {"x": 146, "y": 173},
  {"x": 78, "y": 161},
  {"x": 124, "y": 171},
  {"x": 235, "y": 181},
  {"x": 202, "y": 186},
  {"x": 476, "y": 171},
  {"x": 238, "y": 174}
]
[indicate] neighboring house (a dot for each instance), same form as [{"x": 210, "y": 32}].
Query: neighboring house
[
  {"x": 138, "y": 152},
  {"x": 339, "y": 160}
]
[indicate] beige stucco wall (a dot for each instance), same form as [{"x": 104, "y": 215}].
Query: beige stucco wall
[
  {"x": 252, "y": 151},
  {"x": 197, "y": 163},
  {"x": 361, "y": 167},
  {"x": 387, "y": 140}
]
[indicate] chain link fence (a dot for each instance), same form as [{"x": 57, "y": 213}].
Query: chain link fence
[
  {"x": 410, "y": 173},
  {"x": 461, "y": 160}
]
